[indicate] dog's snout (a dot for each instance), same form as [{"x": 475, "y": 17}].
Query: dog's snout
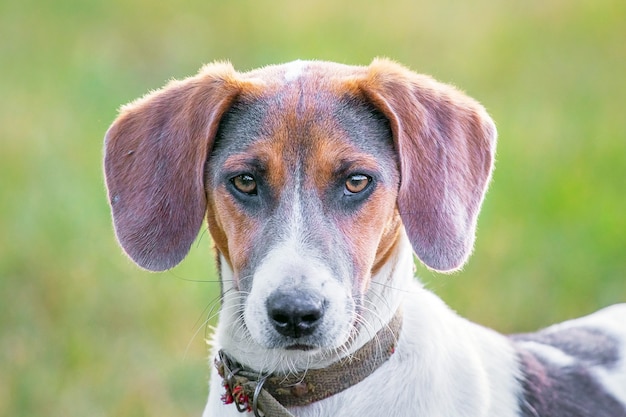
[{"x": 295, "y": 313}]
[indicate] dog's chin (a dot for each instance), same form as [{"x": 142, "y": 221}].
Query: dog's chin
[
  {"x": 283, "y": 355},
  {"x": 294, "y": 346},
  {"x": 309, "y": 347}
]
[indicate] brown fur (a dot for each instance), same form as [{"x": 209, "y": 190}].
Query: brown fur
[{"x": 233, "y": 231}]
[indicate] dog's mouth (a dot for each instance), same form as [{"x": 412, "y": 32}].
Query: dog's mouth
[{"x": 301, "y": 347}]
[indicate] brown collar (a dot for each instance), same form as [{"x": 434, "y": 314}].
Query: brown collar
[{"x": 245, "y": 386}]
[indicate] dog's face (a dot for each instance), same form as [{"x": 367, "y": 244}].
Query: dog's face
[
  {"x": 301, "y": 190},
  {"x": 309, "y": 174}
]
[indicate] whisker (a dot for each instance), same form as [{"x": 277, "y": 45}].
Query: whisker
[
  {"x": 391, "y": 287},
  {"x": 211, "y": 307}
]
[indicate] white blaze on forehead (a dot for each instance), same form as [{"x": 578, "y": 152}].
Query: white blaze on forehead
[{"x": 294, "y": 70}]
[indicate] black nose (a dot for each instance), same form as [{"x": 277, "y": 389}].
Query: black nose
[{"x": 295, "y": 313}]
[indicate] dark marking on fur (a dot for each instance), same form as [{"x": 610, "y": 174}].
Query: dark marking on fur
[
  {"x": 572, "y": 390},
  {"x": 592, "y": 346}
]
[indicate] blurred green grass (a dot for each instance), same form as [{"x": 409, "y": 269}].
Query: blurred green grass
[{"x": 84, "y": 332}]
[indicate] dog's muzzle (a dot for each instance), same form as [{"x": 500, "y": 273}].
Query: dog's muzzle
[{"x": 253, "y": 391}]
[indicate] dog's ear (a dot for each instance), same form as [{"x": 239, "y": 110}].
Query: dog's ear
[
  {"x": 155, "y": 154},
  {"x": 446, "y": 144}
]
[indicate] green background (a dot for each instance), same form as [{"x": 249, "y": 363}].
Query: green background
[{"x": 83, "y": 332}]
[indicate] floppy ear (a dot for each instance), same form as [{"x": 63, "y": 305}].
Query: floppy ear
[
  {"x": 446, "y": 144},
  {"x": 155, "y": 154}
]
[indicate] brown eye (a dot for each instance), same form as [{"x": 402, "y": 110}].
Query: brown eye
[
  {"x": 245, "y": 183},
  {"x": 357, "y": 183}
]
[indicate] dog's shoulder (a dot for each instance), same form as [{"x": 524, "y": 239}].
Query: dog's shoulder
[{"x": 567, "y": 367}]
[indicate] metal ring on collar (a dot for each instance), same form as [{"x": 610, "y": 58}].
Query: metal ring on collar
[{"x": 255, "y": 397}]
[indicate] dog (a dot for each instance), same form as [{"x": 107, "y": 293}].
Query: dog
[{"x": 319, "y": 182}]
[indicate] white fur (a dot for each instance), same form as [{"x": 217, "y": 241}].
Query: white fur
[
  {"x": 443, "y": 366},
  {"x": 614, "y": 380},
  {"x": 294, "y": 70}
]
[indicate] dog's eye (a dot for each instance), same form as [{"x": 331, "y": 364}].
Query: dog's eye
[
  {"x": 245, "y": 183},
  {"x": 357, "y": 183}
]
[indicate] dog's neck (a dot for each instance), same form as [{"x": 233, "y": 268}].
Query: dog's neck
[
  {"x": 304, "y": 388},
  {"x": 386, "y": 284}
]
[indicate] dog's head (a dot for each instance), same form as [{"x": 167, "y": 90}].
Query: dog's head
[{"x": 309, "y": 174}]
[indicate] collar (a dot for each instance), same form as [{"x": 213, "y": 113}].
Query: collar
[{"x": 249, "y": 390}]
